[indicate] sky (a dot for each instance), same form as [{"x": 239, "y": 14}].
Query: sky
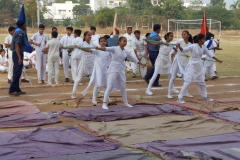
[{"x": 228, "y": 2}]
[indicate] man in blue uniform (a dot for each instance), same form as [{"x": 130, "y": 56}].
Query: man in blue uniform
[
  {"x": 18, "y": 46},
  {"x": 153, "y": 51}
]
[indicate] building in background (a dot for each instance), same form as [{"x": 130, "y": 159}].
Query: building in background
[
  {"x": 194, "y": 3},
  {"x": 97, "y": 4}
]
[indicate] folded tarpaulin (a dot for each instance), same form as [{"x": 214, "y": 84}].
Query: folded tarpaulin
[
  {"x": 218, "y": 105},
  {"x": 49, "y": 142},
  {"x": 211, "y": 147},
  {"x": 232, "y": 116},
  {"x": 17, "y": 107},
  {"x": 122, "y": 112},
  {"x": 117, "y": 154},
  {"x": 166, "y": 127},
  {"x": 27, "y": 120}
]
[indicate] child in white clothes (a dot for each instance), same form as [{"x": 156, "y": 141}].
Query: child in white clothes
[
  {"x": 39, "y": 40},
  {"x": 179, "y": 63},
  {"x": 86, "y": 63},
  {"x": 116, "y": 71},
  {"x": 194, "y": 69},
  {"x": 99, "y": 75},
  {"x": 3, "y": 61}
]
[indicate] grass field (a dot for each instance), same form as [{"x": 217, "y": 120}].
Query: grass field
[{"x": 229, "y": 54}]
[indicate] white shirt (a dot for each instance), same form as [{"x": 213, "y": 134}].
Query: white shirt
[
  {"x": 50, "y": 37},
  {"x": 8, "y": 40},
  {"x": 130, "y": 42},
  {"x": 76, "y": 53},
  {"x": 139, "y": 44},
  {"x": 38, "y": 38},
  {"x": 53, "y": 49},
  {"x": 85, "y": 44},
  {"x": 3, "y": 59},
  {"x": 66, "y": 41},
  {"x": 117, "y": 64},
  {"x": 95, "y": 39},
  {"x": 212, "y": 46}
]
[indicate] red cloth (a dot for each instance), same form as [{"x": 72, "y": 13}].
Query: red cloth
[{"x": 204, "y": 28}]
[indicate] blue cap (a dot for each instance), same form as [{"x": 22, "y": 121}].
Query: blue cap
[{"x": 20, "y": 23}]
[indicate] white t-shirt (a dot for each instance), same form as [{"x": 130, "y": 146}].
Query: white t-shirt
[
  {"x": 50, "y": 37},
  {"x": 130, "y": 42},
  {"x": 95, "y": 39},
  {"x": 38, "y": 38},
  {"x": 76, "y": 53},
  {"x": 53, "y": 49},
  {"x": 212, "y": 46},
  {"x": 66, "y": 41},
  {"x": 8, "y": 40},
  {"x": 140, "y": 44}
]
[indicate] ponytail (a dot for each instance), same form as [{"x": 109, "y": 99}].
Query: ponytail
[
  {"x": 190, "y": 38},
  {"x": 167, "y": 35}
]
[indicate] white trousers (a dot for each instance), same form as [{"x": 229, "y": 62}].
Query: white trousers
[
  {"x": 53, "y": 68},
  {"x": 10, "y": 67},
  {"x": 65, "y": 62},
  {"x": 214, "y": 67},
  {"x": 200, "y": 86},
  {"x": 78, "y": 79},
  {"x": 74, "y": 66},
  {"x": 41, "y": 65},
  {"x": 112, "y": 78},
  {"x": 173, "y": 77},
  {"x": 210, "y": 70},
  {"x": 95, "y": 92}
]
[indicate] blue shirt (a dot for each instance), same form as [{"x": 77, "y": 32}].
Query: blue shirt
[
  {"x": 152, "y": 47},
  {"x": 18, "y": 38}
]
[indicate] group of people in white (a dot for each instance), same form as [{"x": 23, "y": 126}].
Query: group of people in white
[{"x": 107, "y": 65}]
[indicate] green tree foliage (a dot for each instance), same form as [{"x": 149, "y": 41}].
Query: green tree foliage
[
  {"x": 235, "y": 4},
  {"x": 104, "y": 17},
  {"x": 67, "y": 22},
  {"x": 220, "y": 3},
  {"x": 138, "y": 6},
  {"x": 81, "y": 10},
  {"x": 31, "y": 11}
]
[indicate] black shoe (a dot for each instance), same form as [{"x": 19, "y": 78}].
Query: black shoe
[
  {"x": 24, "y": 80},
  {"x": 146, "y": 80},
  {"x": 157, "y": 85},
  {"x": 66, "y": 79},
  {"x": 17, "y": 93},
  {"x": 134, "y": 75},
  {"x": 21, "y": 92},
  {"x": 206, "y": 80},
  {"x": 11, "y": 93}
]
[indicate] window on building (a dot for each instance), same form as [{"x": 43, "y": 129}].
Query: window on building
[
  {"x": 62, "y": 11},
  {"x": 69, "y": 10},
  {"x": 111, "y": 2}
]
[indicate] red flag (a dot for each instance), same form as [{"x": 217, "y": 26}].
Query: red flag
[{"x": 204, "y": 28}]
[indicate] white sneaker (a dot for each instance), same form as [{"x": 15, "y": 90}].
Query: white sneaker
[
  {"x": 208, "y": 99},
  {"x": 40, "y": 82},
  {"x": 188, "y": 95},
  {"x": 128, "y": 105},
  {"x": 170, "y": 96},
  {"x": 73, "y": 96},
  {"x": 175, "y": 91},
  {"x": 180, "y": 100},
  {"x": 94, "y": 102},
  {"x": 148, "y": 93},
  {"x": 104, "y": 106}
]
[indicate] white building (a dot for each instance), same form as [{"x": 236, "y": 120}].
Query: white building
[
  {"x": 194, "y": 3},
  {"x": 59, "y": 11},
  {"x": 97, "y": 4}
]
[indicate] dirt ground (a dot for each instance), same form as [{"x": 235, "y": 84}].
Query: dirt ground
[{"x": 42, "y": 95}]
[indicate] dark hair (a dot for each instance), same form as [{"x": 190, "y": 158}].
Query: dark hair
[
  {"x": 212, "y": 35},
  {"x": 121, "y": 38},
  {"x": 195, "y": 39},
  {"x": 54, "y": 28},
  {"x": 78, "y": 32},
  {"x": 129, "y": 27},
  {"x": 199, "y": 37},
  {"x": 106, "y": 37},
  {"x": 93, "y": 28},
  {"x": 102, "y": 38},
  {"x": 137, "y": 31},
  {"x": 1, "y": 46},
  {"x": 54, "y": 34},
  {"x": 190, "y": 38},
  {"x": 167, "y": 35},
  {"x": 156, "y": 27},
  {"x": 85, "y": 34},
  {"x": 147, "y": 34},
  {"x": 41, "y": 26},
  {"x": 208, "y": 36},
  {"x": 69, "y": 28},
  {"x": 10, "y": 29}
]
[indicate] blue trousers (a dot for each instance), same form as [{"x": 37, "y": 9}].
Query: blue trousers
[
  {"x": 153, "y": 56},
  {"x": 17, "y": 71}
]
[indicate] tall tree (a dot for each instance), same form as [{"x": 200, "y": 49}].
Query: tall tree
[
  {"x": 138, "y": 6},
  {"x": 234, "y": 5},
  {"x": 9, "y": 10},
  {"x": 218, "y": 2},
  {"x": 104, "y": 17},
  {"x": 81, "y": 10}
]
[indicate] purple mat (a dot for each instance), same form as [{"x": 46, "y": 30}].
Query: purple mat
[
  {"x": 41, "y": 143},
  {"x": 233, "y": 116},
  {"x": 216, "y": 143},
  {"x": 27, "y": 120},
  {"x": 121, "y": 112}
]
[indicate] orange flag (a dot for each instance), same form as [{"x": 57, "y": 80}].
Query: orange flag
[{"x": 204, "y": 28}]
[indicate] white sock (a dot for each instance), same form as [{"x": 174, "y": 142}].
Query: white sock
[{"x": 104, "y": 106}]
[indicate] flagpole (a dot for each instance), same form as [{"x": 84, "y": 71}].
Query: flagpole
[{"x": 205, "y": 21}]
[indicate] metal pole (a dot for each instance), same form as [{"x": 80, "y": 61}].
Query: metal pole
[
  {"x": 168, "y": 26},
  {"x": 38, "y": 13},
  {"x": 210, "y": 27}
]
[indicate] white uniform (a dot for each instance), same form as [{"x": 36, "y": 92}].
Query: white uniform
[
  {"x": 75, "y": 57},
  {"x": 194, "y": 69},
  {"x": 3, "y": 61},
  {"x": 99, "y": 75},
  {"x": 41, "y": 57},
  {"x": 95, "y": 39},
  {"x": 50, "y": 37},
  {"x": 32, "y": 57},
  {"x": 66, "y": 41},
  {"x": 179, "y": 64},
  {"x": 8, "y": 40},
  {"x": 53, "y": 59},
  {"x": 26, "y": 55},
  {"x": 116, "y": 72},
  {"x": 130, "y": 48},
  {"x": 139, "y": 46},
  {"x": 208, "y": 66},
  {"x": 85, "y": 66},
  {"x": 162, "y": 64}
]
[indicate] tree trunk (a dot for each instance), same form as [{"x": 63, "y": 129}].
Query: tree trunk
[{"x": 32, "y": 23}]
